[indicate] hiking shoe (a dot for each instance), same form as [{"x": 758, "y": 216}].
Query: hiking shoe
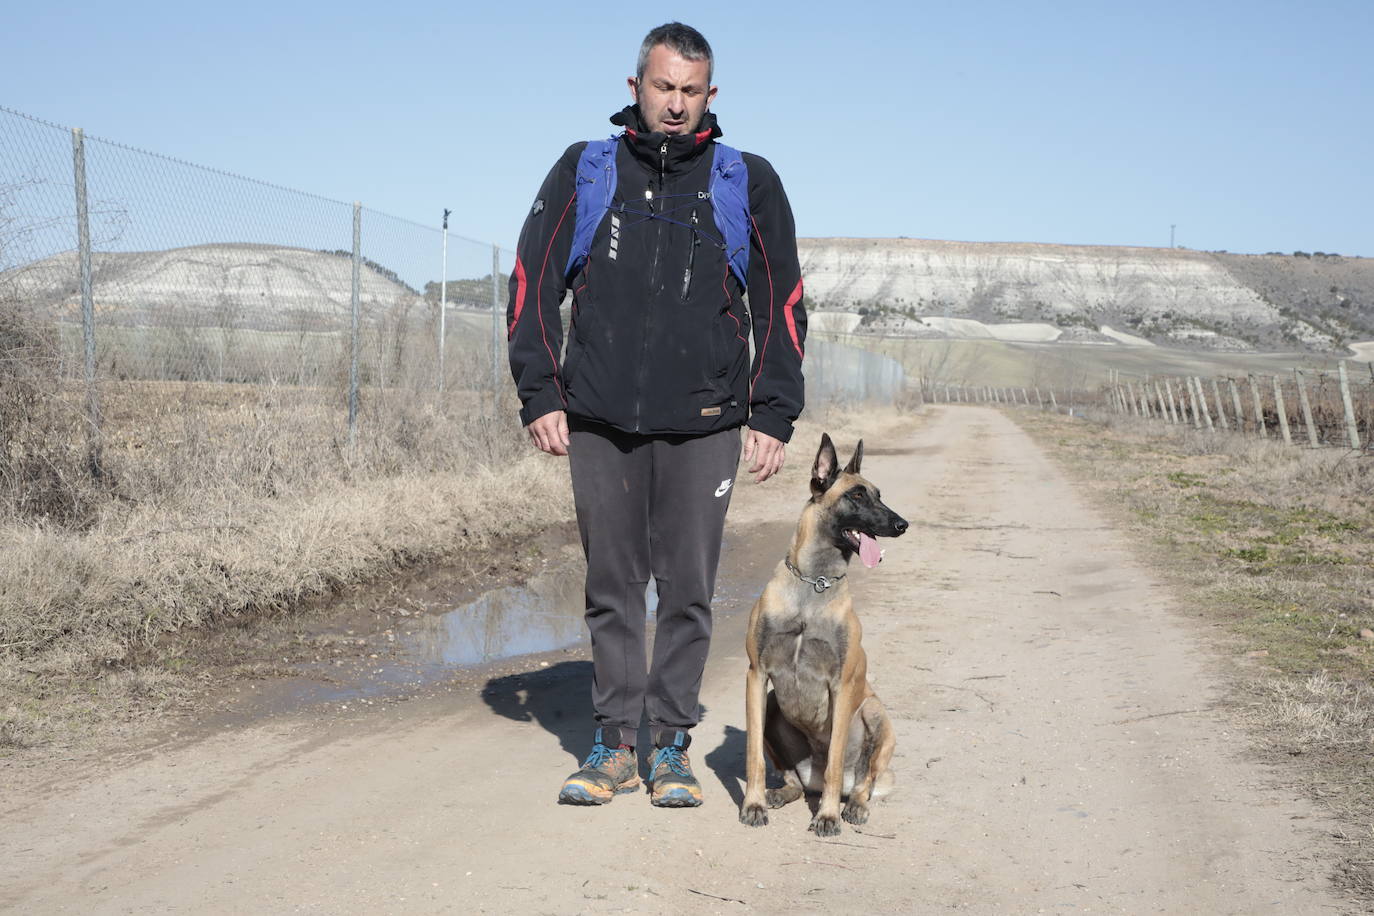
[
  {"x": 674, "y": 786},
  {"x": 606, "y": 773}
]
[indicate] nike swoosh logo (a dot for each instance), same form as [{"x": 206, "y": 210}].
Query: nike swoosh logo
[{"x": 723, "y": 488}]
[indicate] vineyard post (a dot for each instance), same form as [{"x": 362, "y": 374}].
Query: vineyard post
[
  {"x": 1202, "y": 401},
  {"x": 1259, "y": 408},
  {"x": 1282, "y": 411},
  {"x": 1175, "y": 414},
  {"x": 1306, "y": 408},
  {"x": 1221, "y": 411},
  {"x": 1351, "y": 429},
  {"x": 1235, "y": 402}
]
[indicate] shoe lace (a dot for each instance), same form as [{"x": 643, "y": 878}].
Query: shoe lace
[
  {"x": 675, "y": 758},
  {"x": 599, "y": 756}
]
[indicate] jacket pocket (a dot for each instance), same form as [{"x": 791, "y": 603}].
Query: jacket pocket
[{"x": 580, "y": 335}]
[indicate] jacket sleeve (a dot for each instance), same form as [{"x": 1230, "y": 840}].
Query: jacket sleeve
[
  {"x": 534, "y": 328},
  {"x": 776, "y": 390}
]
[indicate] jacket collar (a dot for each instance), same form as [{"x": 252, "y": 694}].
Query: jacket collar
[{"x": 647, "y": 146}]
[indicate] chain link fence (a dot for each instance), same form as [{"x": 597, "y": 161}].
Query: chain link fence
[{"x": 161, "y": 297}]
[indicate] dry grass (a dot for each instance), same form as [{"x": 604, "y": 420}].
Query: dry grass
[
  {"x": 1276, "y": 544},
  {"x": 216, "y": 502}
]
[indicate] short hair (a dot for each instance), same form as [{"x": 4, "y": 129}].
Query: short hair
[{"x": 681, "y": 39}]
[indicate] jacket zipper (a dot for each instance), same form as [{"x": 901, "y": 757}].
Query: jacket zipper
[
  {"x": 653, "y": 283},
  {"x": 691, "y": 258}
]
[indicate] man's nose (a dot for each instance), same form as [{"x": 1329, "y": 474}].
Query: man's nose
[{"x": 677, "y": 103}]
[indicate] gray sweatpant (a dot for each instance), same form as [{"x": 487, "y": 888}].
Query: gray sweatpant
[{"x": 650, "y": 505}]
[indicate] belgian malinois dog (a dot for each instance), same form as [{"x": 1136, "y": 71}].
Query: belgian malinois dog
[{"x": 821, "y": 724}]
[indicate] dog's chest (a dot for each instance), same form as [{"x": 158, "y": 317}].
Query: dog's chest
[{"x": 803, "y": 660}]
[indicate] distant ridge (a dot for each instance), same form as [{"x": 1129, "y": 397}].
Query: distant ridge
[
  {"x": 1167, "y": 296},
  {"x": 914, "y": 287}
]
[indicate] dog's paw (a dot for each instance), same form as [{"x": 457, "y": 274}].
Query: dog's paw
[
  {"x": 855, "y": 813},
  {"x": 825, "y": 825},
  {"x": 753, "y": 815}
]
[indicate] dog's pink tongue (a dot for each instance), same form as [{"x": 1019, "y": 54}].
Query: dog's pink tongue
[{"x": 868, "y": 550}]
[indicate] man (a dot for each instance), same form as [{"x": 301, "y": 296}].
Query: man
[{"x": 654, "y": 387}]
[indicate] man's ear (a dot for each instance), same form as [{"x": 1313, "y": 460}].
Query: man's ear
[
  {"x": 634, "y": 88},
  {"x": 826, "y": 469},
  {"x": 853, "y": 466}
]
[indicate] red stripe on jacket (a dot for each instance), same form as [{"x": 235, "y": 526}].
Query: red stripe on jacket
[
  {"x": 519, "y": 295},
  {"x": 539, "y": 296},
  {"x": 787, "y": 307}
]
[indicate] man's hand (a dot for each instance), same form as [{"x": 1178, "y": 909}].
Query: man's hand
[
  {"x": 549, "y": 433},
  {"x": 766, "y": 452}
]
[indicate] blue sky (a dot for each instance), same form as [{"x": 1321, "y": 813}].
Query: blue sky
[{"x": 1247, "y": 124}]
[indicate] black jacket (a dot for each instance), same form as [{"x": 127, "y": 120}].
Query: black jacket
[{"x": 659, "y": 338}]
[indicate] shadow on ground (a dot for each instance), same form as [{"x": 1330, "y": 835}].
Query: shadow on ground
[
  {"x": 557, "y": 698},
  {"x": 727, "y": 762}
]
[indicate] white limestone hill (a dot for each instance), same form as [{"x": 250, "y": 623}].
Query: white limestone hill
[
  {"x": 248, "y": 286},
  {"x": 1134, "y": 296}
]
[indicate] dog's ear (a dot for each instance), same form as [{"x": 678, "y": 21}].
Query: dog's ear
[
  {"x": 826, "y": 468},
  {"x": 853, "y": 466}
]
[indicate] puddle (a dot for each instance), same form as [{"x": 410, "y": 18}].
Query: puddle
[{"x": 402, "y": 650}]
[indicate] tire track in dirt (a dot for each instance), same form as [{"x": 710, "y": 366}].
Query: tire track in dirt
[{"x": 1059, "y": 749}]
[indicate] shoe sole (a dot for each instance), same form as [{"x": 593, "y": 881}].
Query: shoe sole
[
  {"x": 578, "y": 795},
  {"x": 675, "y": 799}
]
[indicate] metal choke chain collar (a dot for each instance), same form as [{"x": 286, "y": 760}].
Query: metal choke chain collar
[{"x": 819, "y": 583}]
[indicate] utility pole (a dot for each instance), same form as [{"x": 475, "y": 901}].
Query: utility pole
[{"x": 1171, "y": 234}]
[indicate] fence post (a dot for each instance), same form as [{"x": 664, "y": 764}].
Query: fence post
[
  {"x": 1282, "y": 411},
  {"x": 1221, "y": 411},
  {"x": 1235, "y": 402},
  {"x": 443, "y": 302},
  {"x": 1174, "y": 415},
  {"x": 1202, "y": 402},
  {"x": 357, "y": 307},
  {"x": 1306, "y": 408},
  {"x": 1053, "y": 402},
  {"x": 496, "y": 327},
  {"x": 94, "y": 458},
  {"x": 1259, "y": 407},
  {"x": 1164, "y": 412},
  {"x": 1351, "y": 429}
]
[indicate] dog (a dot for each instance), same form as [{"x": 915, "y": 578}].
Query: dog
[{"x": 821, "y": 724}]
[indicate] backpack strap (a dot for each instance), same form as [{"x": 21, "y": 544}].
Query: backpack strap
[
  {"x": 595, "y": 187},
  {"x": 730, "y": 202},
  {"x": 728, "y": 190}
]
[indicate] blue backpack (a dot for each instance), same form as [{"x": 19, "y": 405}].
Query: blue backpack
[{"x": 728, "y": 192}]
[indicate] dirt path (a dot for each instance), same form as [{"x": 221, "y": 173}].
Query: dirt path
[{"x": 1057, "y": 752}]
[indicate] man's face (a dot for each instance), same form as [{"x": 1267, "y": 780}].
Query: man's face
[{"x": 674, "y": 94}]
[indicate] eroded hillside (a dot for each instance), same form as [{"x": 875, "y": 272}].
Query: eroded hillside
[{"x": 1169, "y": 296}]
